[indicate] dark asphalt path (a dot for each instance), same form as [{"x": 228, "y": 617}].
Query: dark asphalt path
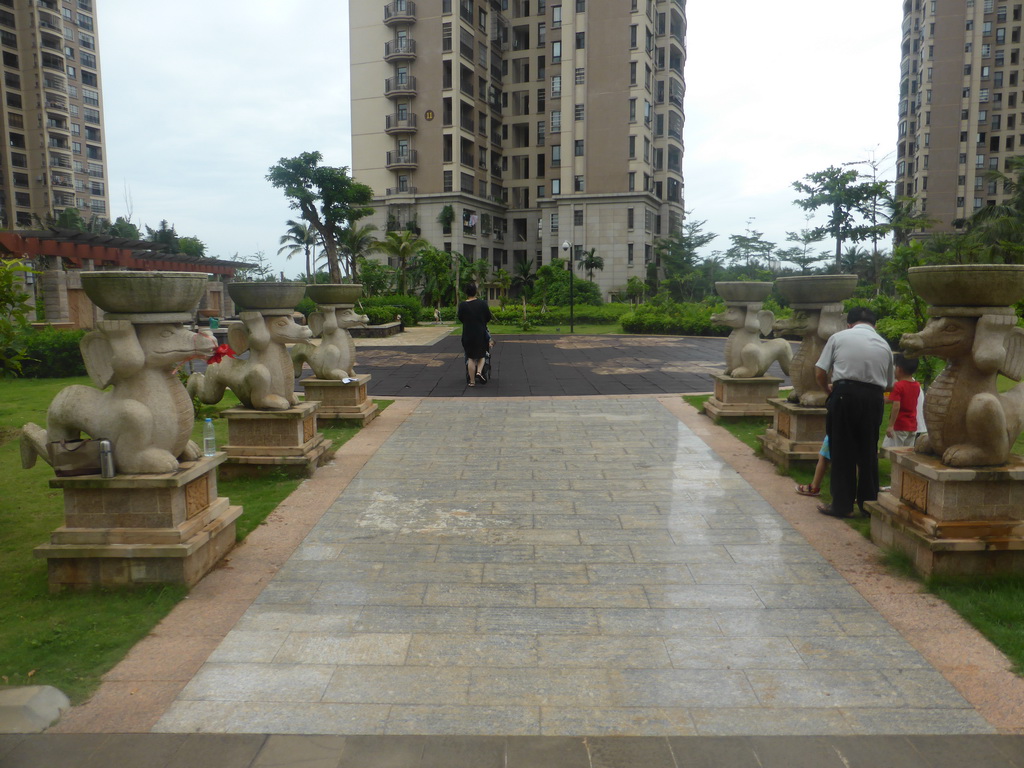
[{"x": 528, "y": 365}]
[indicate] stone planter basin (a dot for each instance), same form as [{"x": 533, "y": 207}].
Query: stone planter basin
[
  {"x": 743, "y": 291},
  {"x": 816, "y": 289},
  {"x": 128, "y": 292},
  {"x": 266, "y": 295},
  {"x": 969, "y": 285},
  {"x": 335, "y": 293}
]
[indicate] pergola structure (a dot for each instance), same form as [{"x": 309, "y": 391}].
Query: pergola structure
[
  {"x": 106, "y": 251},
  {"x": 60, "y": 256}
]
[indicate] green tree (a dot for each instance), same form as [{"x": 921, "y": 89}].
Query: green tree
[
  {"x": 327, "y": 197},
  {"x": 377, "y": 279},
  {"x": 503, "y": 279},
  {"x": 998, "y": 230},
  {"x": 192, "y": 246},
  {"x": 436, "y": 271},
  {"x": 750, "y": 249},
  {"x": 523, "y": 281},
  {"x": 15, "y": 309},
  {"x": 300, "y": 238},
  {"x": 636, "y": 289},
  {"x": 69, "y": 218},
  {"x": 402, "y": 246},
  {"x": 800, "y": 253},
  {"x": 590, "y": 262},
  {"x": 838, "y": 190},
  {"x": 355, "y": 242},
  {"x": 122, "y": 227},
  {"x": 164, "y": 234},
  {"x": 679, "y": 251}
]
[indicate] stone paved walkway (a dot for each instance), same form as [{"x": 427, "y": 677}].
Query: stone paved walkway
[{"x": 565, "y": 566}]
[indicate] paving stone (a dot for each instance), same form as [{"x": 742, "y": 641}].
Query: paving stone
[{"x": 281, "y": 751}]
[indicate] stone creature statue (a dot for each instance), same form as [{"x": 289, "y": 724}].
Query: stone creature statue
[
  {"x": 264, "y": 381},
  {"x": 746, "y": 356},
  {"x": 335, "y": 356},
  {"x": 969, "y": 422},
  {"x": 815, "y": 327},
  {"x": 147, "y": 415}
]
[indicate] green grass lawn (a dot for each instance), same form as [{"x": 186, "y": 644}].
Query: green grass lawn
[
  {"x": 993, "y": 605},
  {"x": 70, "y": 640}
]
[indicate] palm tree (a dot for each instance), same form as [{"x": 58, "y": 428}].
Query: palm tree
[
  {"x": 355, "y": 242},
  {"x": 524, "y": 279},
  {"x": 590, "y": 262},
  {"x": 402, "y": 246},
  {"x": 301, "y": 238},
  {"x": 504, "y": 280}
]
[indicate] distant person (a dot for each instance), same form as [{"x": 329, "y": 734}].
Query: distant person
[
  {"x": 855, "y": 370},
  {"x": 474, "y": 316},
  {"x": 904, "y": 396},
  {"x": 437, "y": 315}
]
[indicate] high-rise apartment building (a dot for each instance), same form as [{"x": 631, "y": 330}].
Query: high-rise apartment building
[
  {"x": 959, "y": 115},
  {"x": 529, "y": 123},
  {"x": 52, "y": 156}
]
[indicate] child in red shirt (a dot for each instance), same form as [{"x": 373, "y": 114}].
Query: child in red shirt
[{"x": 903, "y": 427}]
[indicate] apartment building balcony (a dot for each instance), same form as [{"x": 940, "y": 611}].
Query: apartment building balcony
[
  {"x": 57, "y": 104},
  {"x": 400, "y": 87},
  {"x": 400, "y": 191},
  {"x": 397, "y": 161},
  {"x": 400, "y": 12},
  {"x": 395, "y": 123},
  {"x": 398, "y": 50},
  {"x": 61, "y": 180}
]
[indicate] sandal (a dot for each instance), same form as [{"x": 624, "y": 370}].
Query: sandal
[{"x": 807, "y": 490}]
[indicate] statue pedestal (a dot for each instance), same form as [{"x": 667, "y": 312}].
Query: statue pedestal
[
  {"x": 340, "y": 400},
  {"x": 951, "y": 519},
  {"x": 796, "y": 434},
  {"x": 140, "y": 529},
  {"x": 742, "y": 398},
  {"x": 259, "y": 441}
]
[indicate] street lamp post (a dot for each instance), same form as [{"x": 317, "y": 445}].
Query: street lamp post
[{"x": 570, "y": 248}]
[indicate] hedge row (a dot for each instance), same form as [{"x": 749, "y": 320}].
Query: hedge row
[
  {"x": 51, "y": 353},
  {"x": 674, "y": 319}
]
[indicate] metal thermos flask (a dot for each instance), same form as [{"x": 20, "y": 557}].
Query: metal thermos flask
[{"x": 106, "y": 459}]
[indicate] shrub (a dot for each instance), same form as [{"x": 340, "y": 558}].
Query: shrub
[
  {"x": 674, "y": 319},
  {"x": 52, "y": 354},
  {"x": 409, "y": 307},
  {"x": 306, "y": 306}
]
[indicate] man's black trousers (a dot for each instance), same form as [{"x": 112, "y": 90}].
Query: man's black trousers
[{"x": 854, "y": 418}]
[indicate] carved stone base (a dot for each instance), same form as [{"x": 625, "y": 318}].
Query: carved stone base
[
  {"x": 342, "y": 401},
  {"x": 259, "y": 441},
  {"x": 742, "y": 398},
  {"x": 950, "y": 519},
  {"x": 795, "y": 436},
  {"x": 140, "y": 529}
]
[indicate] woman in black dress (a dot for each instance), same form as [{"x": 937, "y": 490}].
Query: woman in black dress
[{"x": 474, "y": 316}]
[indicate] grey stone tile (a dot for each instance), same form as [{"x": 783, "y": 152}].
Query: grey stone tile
[
  {"x": 451, "y": 720},
  {"x": 125, "y": 749},
  {"x": 389, "y": 553},
  {"x": 823, "y": 688},
  {"x": 644, "y": 537},
  {"x": 590, "y": 596},
  {"x": 786, "y": 554},
  {"x": 481, "y": 594},
  {"x": 267, "y": 716},
  {"x": 714, "y": 596},
  {"x": 924, "y": 687},
  {"x": 532, "y": 752},
  {"x": 298, "y": 618},
  {"x": 327, "y": 570},
  {"x": 307, "y": 751},
  {"x": 701, "y": 752},
  {"x": 258, "y": 682},
  {"x": 242, "y": 646},
  {"x": 813, "y": 752},
  {"x": 639, "y": 574},
  {"x": 888, "y": 652},
  {"x": 288, "y": 592},
  {"x": 777, "y": 622},
  {"x": 428, "y": 573},
  {"x": 914, "y": 722},
  {"x": 770, "y": 721},
  {"x": 362, "y": 648},
  {"x": 583, "y": 554},
  {"x": 548, "y": 686},
  {"x": 473, "y": 650},
  {"x": 733, "y": 653},
  {"x": 366, "y": 593},
  {"x": 626, "y": 750},
  {"x": 417, "y": 620},
  {"x": 682, "y": 554},
  {"x": 198, "y": 751},
  {"x": 810, "y": 596},
  {"x": 399, "y": 685},
  {"x": 685, "y": 688},
  {"x": 612, "y": 652},
  {"x": 382, "y": 752},
  {"x": 535, "y": 573},
  {"x": 579, "y": 521},
  {"x": 862, "y": 622},
  {"x": 464, "y": 752},
  {"x": 670, "y": 622},
  {"x": 450, "y": 553},
  {"x": 614, "y": 721},
  {"x": 548, "y": 621}
]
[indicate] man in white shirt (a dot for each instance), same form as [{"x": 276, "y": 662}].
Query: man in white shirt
[{"x": 855, "y": 369}]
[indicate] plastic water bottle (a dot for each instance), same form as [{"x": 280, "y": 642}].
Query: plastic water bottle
[{"x": 209, "y": 438}]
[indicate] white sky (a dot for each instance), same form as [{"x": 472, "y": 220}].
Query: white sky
[{"x": 201, "y": 98}]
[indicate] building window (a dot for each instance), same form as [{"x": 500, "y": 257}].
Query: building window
[
  {"x": 581, "y": 6},
  {"x": 577, "y": 183},
  {"x": 578, "y": 147},
  {"x": 578, "y": 112},
  {"x": 554, "y": 222},
  {"x": 556, "y": 156},
  {"x": 556, "y": 189},
  {"x": 629, "y": 254},
  {"x": 581, "y": 77},
  {"x": 581, "y": 40},
  {"x": 632, "y": 181},
  {"x": 577, "y": 217},
  {"x": 556, "y": 51}
]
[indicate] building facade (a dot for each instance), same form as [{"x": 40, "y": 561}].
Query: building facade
[
  {"x": 53, "y": 157},
  {"x": 959, "y": 115},
  {"x": 506, "y": 130}
]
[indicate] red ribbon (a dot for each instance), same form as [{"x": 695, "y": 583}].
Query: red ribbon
[{"x": 220, "y": 353}]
